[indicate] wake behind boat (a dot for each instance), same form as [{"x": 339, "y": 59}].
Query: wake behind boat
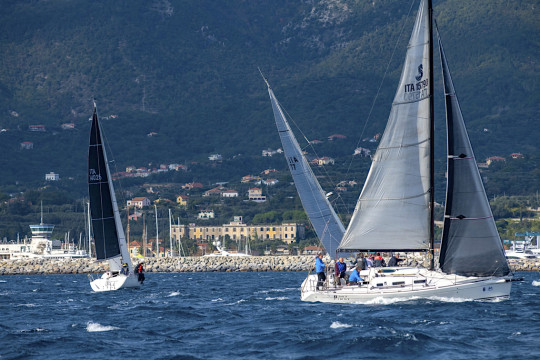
[
  {"x": 109, "y": 238},
  {"x": 395, "y": 210}
]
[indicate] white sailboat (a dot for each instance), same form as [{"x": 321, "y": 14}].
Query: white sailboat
[
  {"x": 395, "y": 210},
  {"x": 109, "y": 238}
]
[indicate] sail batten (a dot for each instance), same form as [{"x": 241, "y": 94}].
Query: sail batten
[
  {"x": 393, "y": 212},
  {"x": 320, "y": 212}
]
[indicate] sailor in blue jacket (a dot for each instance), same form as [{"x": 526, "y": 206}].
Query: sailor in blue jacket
[
  {"x": 319, "y": 268},
  {"x": 341, "y": 268},
  {"x": 354, "y": 278}
]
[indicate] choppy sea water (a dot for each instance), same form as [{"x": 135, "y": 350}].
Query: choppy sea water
[{"x": 253, "y": 316}]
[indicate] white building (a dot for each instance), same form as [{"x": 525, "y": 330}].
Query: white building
[
  {"x": 229, "y": 193},
  {"x": 215, "y": 157},
  {"x": 206, "y": 214},
  {"x": 52, "y": 177}
]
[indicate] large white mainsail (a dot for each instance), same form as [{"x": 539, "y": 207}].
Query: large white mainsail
[
  {"x": 320, "y": 212},
  {"x": 393, "y": 211}
]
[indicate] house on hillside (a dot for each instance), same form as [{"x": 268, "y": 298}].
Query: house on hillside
[
  {"x": 270, "y": 182},
  {"x": 52, "y": 177},
  {"x": 215, "y": 191},
  {"x": 268, "y": 171},
  {"x": 229, "y": 193},
  {"x": 255, "y": 194},
  {"x": 206, "y": 214},
  {"x": 336, "y": 137},
  {"x": 516, "y": 155},
  {"x": 139, "y": 202},
  {"x": 215, "y": 157},
  {"x": 192, "y": 185},
  {"x": 135, "y": 216},
  {"x": 38, "y": 128},
  {"x": 362, "y": 152},
  {"x": 249, "y": 178},
  {"x": 325, "y": 160},
  {"x": 27, "y": 145},
  {"x": 182, "y": 200},
  {"x": 68, "y": 126},
  {"x": 490, "y": 160}
]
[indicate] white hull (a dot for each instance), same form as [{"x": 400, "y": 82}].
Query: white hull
[
  {"x": 110, "y": 283},
  {"x": 406, "y": 284}
]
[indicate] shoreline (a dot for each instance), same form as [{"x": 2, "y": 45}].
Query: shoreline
[{"x": 191, "y": 264}]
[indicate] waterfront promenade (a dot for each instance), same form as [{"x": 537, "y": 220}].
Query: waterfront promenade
[{"x": 191, "y": 264}]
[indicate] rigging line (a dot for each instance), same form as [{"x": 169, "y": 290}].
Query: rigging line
[
  {"x": 309, "y": 144},
  {"x": 405, "y": 23},
  {"x": 105, "y": 144}
]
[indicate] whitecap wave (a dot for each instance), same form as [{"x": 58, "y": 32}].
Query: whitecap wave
[
  {"x": 174, "y": 293},
  {"x": 387, "y": 301},
  {"x": 97, "y": 327},
  {"x": 236, "y": 303},
  {"x": 33, "y": 330},
  {"x": 218, "y": 299},
  {"x": 3, "y": 281},
  {"x": 535, "y": 283},
  {"x": 338, "y": 325},
  {"x": 275, "y": 290},
  {"x": 277, "y": 298}
]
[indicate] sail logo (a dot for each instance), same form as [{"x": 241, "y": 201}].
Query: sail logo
[
  {"x": 93, "y": 175},
  {"x": 420, "y": 73},
  {"x": 417, "y": 90}
]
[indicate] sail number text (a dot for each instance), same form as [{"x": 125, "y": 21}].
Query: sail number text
[
  {"x": 416, "y": 91},
  {"x": 93, "y": 175},
  {"x": 292, "y": 162}
]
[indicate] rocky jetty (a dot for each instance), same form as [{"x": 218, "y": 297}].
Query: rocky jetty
[
  {"x": 180, "y": 264},
  {"x": 195, "y": 264}
]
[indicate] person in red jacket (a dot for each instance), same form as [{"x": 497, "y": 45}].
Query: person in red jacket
[{"x": 378, "y": 261}]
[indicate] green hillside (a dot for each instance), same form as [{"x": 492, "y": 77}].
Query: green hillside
[{"x": 187, "y": 70}]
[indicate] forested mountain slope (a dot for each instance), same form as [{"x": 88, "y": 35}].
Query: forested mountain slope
[{"x": 187, "y": 70}]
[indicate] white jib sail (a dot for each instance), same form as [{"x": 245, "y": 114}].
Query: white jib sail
[{"x": 320, "y": 212}]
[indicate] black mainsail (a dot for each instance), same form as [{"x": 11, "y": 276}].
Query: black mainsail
[{"x": 101, "y": 194}]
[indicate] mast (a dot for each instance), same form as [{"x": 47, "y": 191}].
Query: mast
[
  {"x": 170, "y": 233},
  {"x": 144, "y": 234},
  {"x": 89, "y": 230},
  {"x": 431, "y": 144},
  {"x": 127, "y": 209},
  {"x": 157, "y": 232}
]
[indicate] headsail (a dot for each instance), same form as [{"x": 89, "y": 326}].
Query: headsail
[
  {"x": 320, "y": 212},
  {"x": 107, "y": 229},
  {"x": 393, "y": 211},
  {"x": 471, "y": 245}
]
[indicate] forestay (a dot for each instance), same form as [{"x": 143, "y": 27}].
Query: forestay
[
  {"x": 471, "y": 245},
  {"x": 320, "y": 212},
  {"x": 392, "y": 212}
]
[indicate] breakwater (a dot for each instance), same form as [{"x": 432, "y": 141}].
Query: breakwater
[{"x": 191, "y": 264}]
